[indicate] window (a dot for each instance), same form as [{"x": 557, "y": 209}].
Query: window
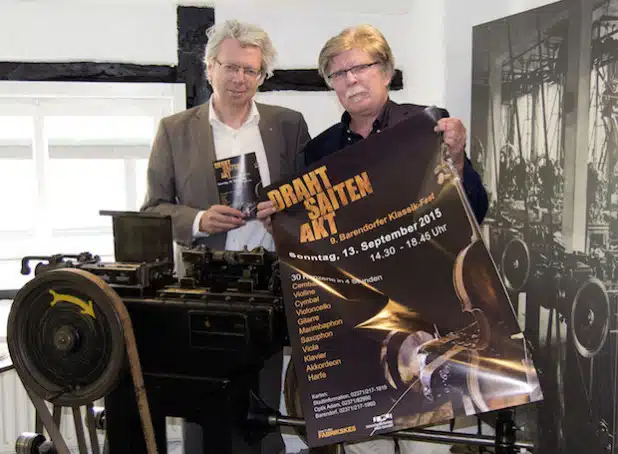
[{"x": 68, "y": 151}]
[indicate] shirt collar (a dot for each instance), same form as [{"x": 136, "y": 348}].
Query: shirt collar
[
  {"x": 253, "y": 117},
  {"x": 380, "y": 123}
]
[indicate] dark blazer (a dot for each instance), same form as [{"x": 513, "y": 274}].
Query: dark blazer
[
  {"x": 329, "y": 141},
  {"x": 181, "y": 178}
]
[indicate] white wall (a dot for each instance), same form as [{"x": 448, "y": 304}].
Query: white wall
[
  {"x": 144, "y": 32},
  {"x": 459, "y": 18},
  {"x": 423, "y": 50},
  {"x": 299, "y": 32},
  {"x": 432, "y": 40},
  {"x": 87, "y": 30}
]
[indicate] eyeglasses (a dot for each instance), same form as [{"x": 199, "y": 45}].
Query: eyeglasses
[
  {"x": 232, "y": 69},
  {"x": 357, "y": 70}
]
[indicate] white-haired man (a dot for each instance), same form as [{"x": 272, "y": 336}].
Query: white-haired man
[
  {"x": 358, "y": 65},
  {"x": 181, "y": 178}
]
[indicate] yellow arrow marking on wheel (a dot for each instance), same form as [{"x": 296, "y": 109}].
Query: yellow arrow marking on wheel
[{"x": 87, "y": 308}]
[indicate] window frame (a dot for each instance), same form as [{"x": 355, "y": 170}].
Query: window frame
[{"x": 38, "y": 100}]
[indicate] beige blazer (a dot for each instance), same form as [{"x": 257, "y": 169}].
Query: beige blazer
[{"x": 181, "y": 178}]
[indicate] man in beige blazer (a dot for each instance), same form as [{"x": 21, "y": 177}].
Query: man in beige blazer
[{"x": 181, "y": 178}]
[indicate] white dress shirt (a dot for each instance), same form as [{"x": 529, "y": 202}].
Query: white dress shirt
[{"x": 230, "y": 142}]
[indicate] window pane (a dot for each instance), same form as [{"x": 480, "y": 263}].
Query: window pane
[
  {"x": 18, "y": 186},
  {"x": 5, "y": 309},
  {"x": 16, "y": 128},
  {"x": 80, "y": 188},
  {"x": 10, "y": 276},
  {"x": 17, "y": 245},
  {"x": 141, "y": 166},
  {"x": 107, "y": 151},
  {"x": 101, "y": 245},
  {"x": 10, "y": 270},
  {"x": 74, "y": 129},
  {"x": 12, "y": 250}
]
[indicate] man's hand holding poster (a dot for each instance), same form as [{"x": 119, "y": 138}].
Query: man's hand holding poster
[{"x": 397, "y": 314}]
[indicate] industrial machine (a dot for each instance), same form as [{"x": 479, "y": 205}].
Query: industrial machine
[{"x": 155, "y": 346}]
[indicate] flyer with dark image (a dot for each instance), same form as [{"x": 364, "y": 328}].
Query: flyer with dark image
[
  {"x": 397, "y": 313},
  {"x": 239, "y": 183}
]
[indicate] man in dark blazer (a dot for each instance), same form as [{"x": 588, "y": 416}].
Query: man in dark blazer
[
  {"x": 340, "y": 135},
  {"x": 358, "y": 65},
  {"x": 181, "y": 177}
]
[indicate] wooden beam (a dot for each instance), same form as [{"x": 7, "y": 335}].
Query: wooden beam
[{"x": 192, "y": 23}]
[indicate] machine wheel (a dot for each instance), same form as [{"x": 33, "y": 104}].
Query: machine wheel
[
  {"x": 99, "y": 417},
  {"x": 29, "y": 443},
  {"x": 589, "y": 322},
  {"x": 66, "y": 338},
  {"x": 515, "y": 264}
]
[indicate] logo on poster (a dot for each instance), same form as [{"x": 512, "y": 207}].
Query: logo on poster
[
  {"x": 381, "y": 422},
  {"x": 383, "y": 418}
]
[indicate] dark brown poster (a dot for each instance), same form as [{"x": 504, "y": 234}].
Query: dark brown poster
[{"x": 396, "y": 312}]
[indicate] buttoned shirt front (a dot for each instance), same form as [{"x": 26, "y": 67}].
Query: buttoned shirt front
[{"x": 230, "y": 142}]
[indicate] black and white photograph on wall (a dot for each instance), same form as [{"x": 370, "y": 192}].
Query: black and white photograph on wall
[{"x": 544, "y": 135}]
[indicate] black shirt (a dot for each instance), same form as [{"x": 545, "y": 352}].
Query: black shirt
[
  {"x": 349, "y": 137},
  {"x": 340, "y": 136}
]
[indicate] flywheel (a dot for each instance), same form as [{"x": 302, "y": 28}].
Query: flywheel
[
  {"x": 65, "y": 337},
  {"x": 590, "y": 318},
  {"x": 515, "y": 264}
]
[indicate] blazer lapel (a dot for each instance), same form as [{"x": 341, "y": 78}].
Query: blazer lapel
[
  {"x": 272, "y": 138},
  {"x": 204, "y": 154}
]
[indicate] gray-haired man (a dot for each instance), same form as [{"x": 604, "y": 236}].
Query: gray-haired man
[
  {"x": 358, "y": 64},
  {"x": 181, "y": 178}
]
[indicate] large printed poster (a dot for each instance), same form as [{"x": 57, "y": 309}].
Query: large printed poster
[{"x": 396, "y": 312}]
